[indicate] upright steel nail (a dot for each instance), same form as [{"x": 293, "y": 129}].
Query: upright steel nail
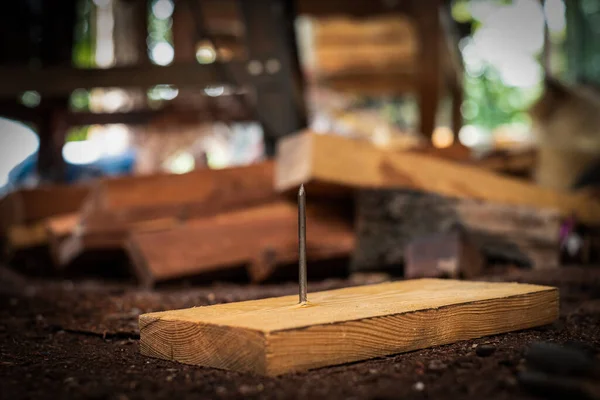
[{"x": 302, "y": 243}]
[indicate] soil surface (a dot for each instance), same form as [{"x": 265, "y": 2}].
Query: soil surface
[{"x": 67, "y": 339}]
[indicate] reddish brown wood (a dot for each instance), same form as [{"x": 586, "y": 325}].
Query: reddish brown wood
[{"x": 245, "y": 237}]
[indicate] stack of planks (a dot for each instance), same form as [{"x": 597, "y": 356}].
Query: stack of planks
[
  {"x": 405, "y": 196},
  {"x": 200, "y": 224},
  {"x": 31, "y": 218},
  {"x": 378, "y": 207}
]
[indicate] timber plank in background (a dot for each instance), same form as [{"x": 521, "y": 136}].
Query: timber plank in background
[
  {"x": 27, "y": 206},
  {"x": 334, "y": 161},
  {"x": 194, "y": 194},
  {"x": 122, "y": 205},
  {"x": 389, "y": 220},
  {"x": 228, "y": 240},
  {"x": 277, "y": 335}
]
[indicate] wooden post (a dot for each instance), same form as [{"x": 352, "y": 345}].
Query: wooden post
[
  {"x": 274, "y": 67},
  {"x": 457, "y": 119},
  {"x": 131, "y": 32},
  {"x": 429, "y": 75},
  {"x": 184, "y": 33},
  {"x": 51, "y": 129}
]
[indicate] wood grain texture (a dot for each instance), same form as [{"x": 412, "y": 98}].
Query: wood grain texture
[
  {"x": 237, "y": 238},
  {"x": 387, "y": 220},
  {"x": 117, "y": 203},
  {"x": 337, "y": 161},
  {"x": 276, "y": 335}
]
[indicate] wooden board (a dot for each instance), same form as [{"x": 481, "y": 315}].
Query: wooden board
[
  {"x": 276, "y": 335},
  {"x": 117, "y": 203},
  {"x": 260, "y": 237},
  {"x": 106, "y": 239},
  {"x": 330, "y": 160},
  {"x": 27, "y": 206},
  {"x": 122, "y": 205},
  {"x": 388, "y": 220},
  {"x": 20, "y": 237}
]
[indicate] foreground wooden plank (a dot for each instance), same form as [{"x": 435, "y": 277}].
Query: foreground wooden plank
[
  {"x": 334, "y": 161},
  {"x": 259, "y": 237},
  {"x": 276, "y": 335}
]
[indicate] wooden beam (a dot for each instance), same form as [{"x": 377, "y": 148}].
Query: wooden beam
[
  {"x": 143, "y": 117},
  {"x": 118, "y": 206},
  {"x": 225, "y": 9},
  {"x": 64, "y": 80},
  {"x": 277, "y": 335},
  {"x": 21, "y": 237},
  {"x": 203, "y": 192},
  {"x": 395, "y": 83},
  {"x": 429, "y": 64},
  {"x": 272, "y": 49},
  {"x": 27, "y": 206},
  {"x": 389, "y": 220},
  {"x": 41, "y": 233},
  {"x": 228, "y": 240},
  {"x": 104, "y": 239},
  {"x": 332, "y": 161}
]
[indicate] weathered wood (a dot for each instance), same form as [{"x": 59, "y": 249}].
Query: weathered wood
[
  {"x": 20, "y": 237},
  {"x": 118, "y": 206},
  {"x": 115, "y": 203},
  {"x": 442, "y": 255},
  {"x": 277, "y": 335},
  {"x": 61, "y": 80},
  {"x": 27, "y": 206},
  {"x": 344, "y": 31},
  {"x": 104, "y": 239},
  {"x": 237, "y": 238},
  {"x": 373, "y": 59},
  {"x": 345, "y": 164},
  {"x": 388, "y": 220}
]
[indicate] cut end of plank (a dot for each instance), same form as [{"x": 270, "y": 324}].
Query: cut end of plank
[{"x": 277, "y": 335}]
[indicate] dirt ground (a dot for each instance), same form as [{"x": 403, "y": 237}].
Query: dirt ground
[{"x": 64, "y": 339}]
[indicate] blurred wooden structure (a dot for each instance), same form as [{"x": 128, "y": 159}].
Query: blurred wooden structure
[{"x": 410, "y": 48}]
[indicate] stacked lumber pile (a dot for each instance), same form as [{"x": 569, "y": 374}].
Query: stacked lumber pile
[
  {"x": 382, "y": 49},
  {"x": 405, "y": 198},
  {"x": 203, "y": 224},
  {"x": 31, "y": 218},
  {"x": 436, "y": 213}
]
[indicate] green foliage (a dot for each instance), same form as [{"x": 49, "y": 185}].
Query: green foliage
[
  {"x": 489, "y": 102},
  {"x": 77, "y": 134},
  {"x": 84, "y": 48},
  {"x": 159, "y": 30}
]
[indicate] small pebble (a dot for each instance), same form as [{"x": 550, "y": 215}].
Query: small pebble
[
  {"x": 419, "y": 386},
  {"x": 69, "y": 380},
  {"x": 220, "y": 390},
  {"x": 485, "y": 350},
  {"x": 436, "y": 365},
  {"x": 245, "y": 389}
]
